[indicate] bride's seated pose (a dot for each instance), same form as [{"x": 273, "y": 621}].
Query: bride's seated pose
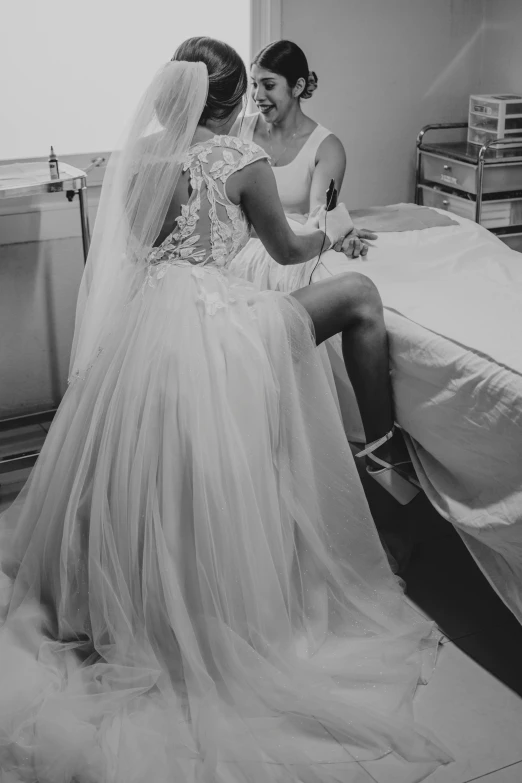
[{"x": 193, "y": 587}]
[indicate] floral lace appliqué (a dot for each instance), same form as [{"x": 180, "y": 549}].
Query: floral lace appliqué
[
  {"x": 229, "y": 228},
  {"x": 212, "y": 301}
]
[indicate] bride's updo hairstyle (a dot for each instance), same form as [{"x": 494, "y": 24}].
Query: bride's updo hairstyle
[
  {"x": 287, "y": 59},
  {"x": 227, "y": 76}
]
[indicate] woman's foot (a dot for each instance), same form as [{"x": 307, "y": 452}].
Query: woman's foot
[
  {"x": 395, "y": 453},
  {"x": 388, "y": 463}
]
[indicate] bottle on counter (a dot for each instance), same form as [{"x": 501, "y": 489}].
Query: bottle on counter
[
  {"x": 54, "y": 171},
  {"x": 53, "y": 165}
]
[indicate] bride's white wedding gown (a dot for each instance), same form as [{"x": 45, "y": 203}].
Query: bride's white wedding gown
[{"x": 194, "y": 588}]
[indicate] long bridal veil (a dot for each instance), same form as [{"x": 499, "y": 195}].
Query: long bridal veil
[{"x": 140, "y": 180}]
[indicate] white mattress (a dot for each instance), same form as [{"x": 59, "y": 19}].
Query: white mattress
[{"x": 453, "y": 299}]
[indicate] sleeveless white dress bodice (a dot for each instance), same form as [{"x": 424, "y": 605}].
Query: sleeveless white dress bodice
[{"x": 294, "y": 180}]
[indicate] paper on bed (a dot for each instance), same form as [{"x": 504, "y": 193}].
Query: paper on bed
[{"x": 399, "y": 217}]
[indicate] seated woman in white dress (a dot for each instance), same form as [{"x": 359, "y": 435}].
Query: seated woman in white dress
[
  {"x": 197, "y": 590},
  {"x": 304, "y": 155}
]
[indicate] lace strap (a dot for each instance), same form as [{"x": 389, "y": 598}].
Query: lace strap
[
  {"x": 250, "y": 154},
  {"x": 235, "y": 155}
]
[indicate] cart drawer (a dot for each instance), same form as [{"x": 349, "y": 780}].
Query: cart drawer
[
  {"x": 440, "y": 200},
  {"x": 494, "y": 214},
  {"x": 461, "y": 176}
]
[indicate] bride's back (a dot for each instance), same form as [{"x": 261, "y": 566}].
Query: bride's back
[{"x": 202, "y": 225}]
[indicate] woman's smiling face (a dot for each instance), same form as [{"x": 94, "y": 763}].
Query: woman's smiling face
[{"x": 271, "y": 93}]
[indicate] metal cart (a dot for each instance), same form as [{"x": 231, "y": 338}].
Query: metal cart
[{"x": 463, "y": 172}]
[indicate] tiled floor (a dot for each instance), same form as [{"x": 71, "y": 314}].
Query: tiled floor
[{"x": 473, "y": 702}]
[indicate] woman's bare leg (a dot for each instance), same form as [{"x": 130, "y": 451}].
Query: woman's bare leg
[{"x": 350, "y": 304}]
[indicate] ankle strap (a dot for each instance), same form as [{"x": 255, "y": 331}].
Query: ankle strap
[{"x": 374, "y": 445}]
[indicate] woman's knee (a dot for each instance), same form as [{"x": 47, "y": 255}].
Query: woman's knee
[{"x": 361, "y": 297}]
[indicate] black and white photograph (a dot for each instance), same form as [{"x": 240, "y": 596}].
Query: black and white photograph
[{"x": 261, "y": 391}]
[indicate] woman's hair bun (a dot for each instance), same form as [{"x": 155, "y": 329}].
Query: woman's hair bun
[{"x": 311, "y": 85}]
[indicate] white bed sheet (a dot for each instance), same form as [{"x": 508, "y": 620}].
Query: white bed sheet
[
  {"x": 453, "y": 309},
  {"x": 456, "y": 356}
]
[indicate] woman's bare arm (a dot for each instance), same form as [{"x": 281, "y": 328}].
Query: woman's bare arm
[
  {"x": 330, "y": 164},
  {"x": 254, "y": 187}
]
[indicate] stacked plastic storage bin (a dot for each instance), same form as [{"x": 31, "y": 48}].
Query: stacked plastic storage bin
[{"x": 494, "y": 117}]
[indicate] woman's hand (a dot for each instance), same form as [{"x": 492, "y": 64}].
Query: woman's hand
[
  {"x": 356, "y": 243},
  {"x": 336, "y": 224}
]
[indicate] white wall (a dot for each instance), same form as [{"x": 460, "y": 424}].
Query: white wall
[
  {"x": 386, "y": 68},
  {"x": 77, "y": 71},
  {"x": 502, "y": 54}
]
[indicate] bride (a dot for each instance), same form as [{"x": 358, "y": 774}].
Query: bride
[{"x": 194, "y": 588}]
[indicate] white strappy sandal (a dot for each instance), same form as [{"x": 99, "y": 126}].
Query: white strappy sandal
[{"x": 389, "y": 476}]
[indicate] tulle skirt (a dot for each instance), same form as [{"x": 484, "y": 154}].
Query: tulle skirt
[{"x": 194, "y": 590}]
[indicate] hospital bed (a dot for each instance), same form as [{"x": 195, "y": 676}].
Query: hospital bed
[{"x": 453, "y": 310}]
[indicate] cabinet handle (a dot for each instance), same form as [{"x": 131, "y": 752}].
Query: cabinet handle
[{"x": 446, "y": 167}]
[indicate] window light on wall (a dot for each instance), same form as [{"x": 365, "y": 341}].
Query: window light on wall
[{"x": 76, "y": 71}]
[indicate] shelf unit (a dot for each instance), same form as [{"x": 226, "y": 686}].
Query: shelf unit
[{"x": 483, "y": 183}]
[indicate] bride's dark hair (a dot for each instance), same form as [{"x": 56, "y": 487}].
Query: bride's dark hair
[
  {"x": 287, "y": 59},
  {"x": 227, "y": 76}
]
